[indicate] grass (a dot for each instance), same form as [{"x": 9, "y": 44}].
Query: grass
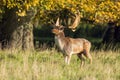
[{"x": 49, "y": 65}]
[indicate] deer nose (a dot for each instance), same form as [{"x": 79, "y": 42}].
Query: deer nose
[{"x": 53, "y": 30}]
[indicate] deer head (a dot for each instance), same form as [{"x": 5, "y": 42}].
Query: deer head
[{"x": 58, "y": 28}]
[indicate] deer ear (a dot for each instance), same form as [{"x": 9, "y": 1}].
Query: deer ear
[{"x": 57, "y": 22}]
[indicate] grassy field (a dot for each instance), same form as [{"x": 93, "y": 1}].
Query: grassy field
[{"x": 49, "y": 65}]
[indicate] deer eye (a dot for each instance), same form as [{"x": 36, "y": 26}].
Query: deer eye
[{"x": 61, "y": 28}]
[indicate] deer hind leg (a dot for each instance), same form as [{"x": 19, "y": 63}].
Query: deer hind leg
[
  {"x": 88, "y": 55},
  {"x": 80, "y": 56}
]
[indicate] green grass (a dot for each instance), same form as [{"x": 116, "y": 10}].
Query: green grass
[{"x": 49, "y": 65}]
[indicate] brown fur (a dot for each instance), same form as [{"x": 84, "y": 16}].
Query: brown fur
[{"x": 70, "y": 46}]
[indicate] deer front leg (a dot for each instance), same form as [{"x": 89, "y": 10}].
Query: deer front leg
[{"x": 67, "y": 59}]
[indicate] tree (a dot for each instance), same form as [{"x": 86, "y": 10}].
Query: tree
[
  {"x": 96, "y": 11},
  {"x": 16, "y": 24},
  {"x": 91, "y": 11},
  {"x": 17, "y": 16}
]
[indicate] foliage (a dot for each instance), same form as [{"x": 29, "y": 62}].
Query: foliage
[
  {"x": 100, "y": 11},
  {"x": 49, "y": 65},
  {"x": 21, "y": 5}
]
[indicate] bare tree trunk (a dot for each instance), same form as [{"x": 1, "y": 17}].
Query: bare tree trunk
[{"x": 28, "y": 37}]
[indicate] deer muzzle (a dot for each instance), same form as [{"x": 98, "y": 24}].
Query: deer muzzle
[{"x": 55, "y": 31}]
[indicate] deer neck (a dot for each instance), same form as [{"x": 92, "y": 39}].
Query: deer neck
[
  {"x": 60, "y": 40},
  {"x": 60, "y": 35}
]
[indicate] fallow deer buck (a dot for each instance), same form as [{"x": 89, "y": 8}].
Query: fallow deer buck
[{"x": 69, "y": 46}]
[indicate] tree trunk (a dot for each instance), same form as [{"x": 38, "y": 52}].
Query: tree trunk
[
  {"x": 117, "y": 34},
  {"x": 28, "y": 37},
  {"x": 0, "y": 41},
  {"x": 112, "y": 35},
  {"x": 18, "y": 31},
  {"x": 108, "y": 37}
]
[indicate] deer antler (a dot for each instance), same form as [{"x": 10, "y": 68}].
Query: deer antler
[
  {"x": 57, "y": 22},
  {"x": 76, "y": 22}
]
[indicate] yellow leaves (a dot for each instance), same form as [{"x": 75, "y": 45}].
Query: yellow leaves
[
  {"x": 4, "y": 2},
  {"x": 35, "y": 2},
  {"x": 73, "y": 9},
  {"x": 98, "y": 10},
  {"x": 88, "y": 6},
  {"x": 107, "y": 11},
  {"x": 97, "y": 21},
  {"x": 27, "y": 6},
  {"x": 21, "y": 5},
  {"x": 118, "y": 4},
  {"x": 107, "y": 6},
  {"x": 31, "y": 3},
  {"x": 102, "y": 17},
  {"x": 9, "y": 3},
  {"x": 91, "y": 17},
  {"x": 21, "y": 13}
]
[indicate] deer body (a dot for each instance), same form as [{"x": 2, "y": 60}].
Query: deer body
[{"x": 70, "y": 46}]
